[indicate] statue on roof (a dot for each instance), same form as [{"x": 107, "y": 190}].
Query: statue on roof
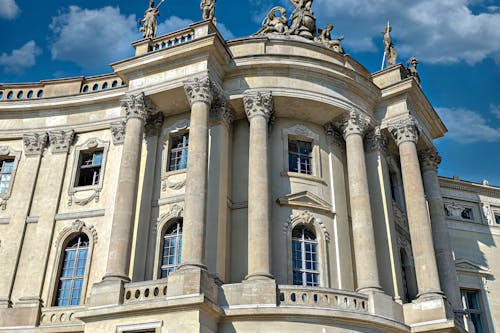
[
  {"x": 302, "y": 20},
  {"x": 390, "y": 53},
  {"x": 149, "y": 23},
  {"x": 208, "y": 9},
  {"x": 411, "y": 68},
  {"x": 274, "y": 23},
  {"x": 325, "y": 38}
]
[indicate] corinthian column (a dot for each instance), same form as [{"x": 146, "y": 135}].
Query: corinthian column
[
  {"x": 259, "y": 108},
  {"x": 354, "y": 128},
  {"x": 200, "y": 96},
  {"x": 406, "y": 133},
  {"x": 447, "y": 272},
  {"x": 137, "y": 109}
]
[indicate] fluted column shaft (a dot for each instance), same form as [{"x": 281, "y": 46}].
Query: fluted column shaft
[
  {"x": 259, "y": 108},
  {"x": 137, "y": 109},
  {"x": 406, "y": 134},
  {"x": 199, "y": 93},
  {"x": 447, "y": 272},
  {"x": 353, "y": 129}
]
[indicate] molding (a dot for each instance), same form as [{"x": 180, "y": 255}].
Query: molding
[
  {"x": 467, "y": 266},
  {"x": 60, "y": 141},
  {"x": 118, "y": 132},
  {"x": 77, "y": 226},
  {"x": 175, "y": 211},
  {"x": 80, "y": 215},
  {"x": 9, "y": 153},
  {"x": 305, "y": 199},
  {"x": 306, "y": 218},
  {"x": 461, "y": 185},
  {"x": 139, "y": 327},
  {"x": 4, "y": 220},
  {"x": 32, "y": 219},
  {"x": 169, "y": 200}
]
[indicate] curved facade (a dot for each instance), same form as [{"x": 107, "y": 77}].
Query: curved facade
[{"x": 263, "y": 184}]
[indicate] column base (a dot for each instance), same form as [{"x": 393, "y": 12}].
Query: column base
[
  {"x": 261, "y": 292},
  {"x": 429, "y": 307},
  {"x": 370, "y": 290},
  {"x": 109, "y": 291},
  {"x": 192, "y": 265},
  {"x": 259, "y": 276},
  {"x": 384, "y": 305},
  {"x": 192, "y": 281}
]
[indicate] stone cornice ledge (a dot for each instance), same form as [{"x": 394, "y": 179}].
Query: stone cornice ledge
[{"x": 461, "y": 185}]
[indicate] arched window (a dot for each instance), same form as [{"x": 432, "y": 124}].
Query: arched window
[
  {"x": 305, "y": 257},
  {"x": 72, "y": 271},
  {"x": 171, "y": 249}
]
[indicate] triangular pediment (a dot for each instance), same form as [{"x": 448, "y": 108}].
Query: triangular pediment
[
  {"x": 304, "y": 199},
  {"x": 468, "y": 266}
]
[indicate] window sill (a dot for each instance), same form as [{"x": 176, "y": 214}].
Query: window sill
[
  {"x": 303, "y": 176},
  {"x": 173, "y": 173},
  {"x": 86, "y": 188}
]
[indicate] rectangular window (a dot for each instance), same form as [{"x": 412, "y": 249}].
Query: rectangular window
[
  {"x": 497, "y": 218},
  {"x": 6, "y": 169},
  {"x": 472, "y": 310},
  {"x": 467, "y": 214},
  {"x": 178, "y": 155},
  {"x": 300, "y": 156},
  {"x": 89, "y": 171}
]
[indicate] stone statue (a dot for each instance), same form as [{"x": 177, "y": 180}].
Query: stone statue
[
  {"x": 389, "y": 50},
  {"x": 275, "y": 23},
  {"x": 149, "y": 22},
  {"x": 207, "y": 9},
  {"x": 325, "y": 38},
  {"x": 488, "y": 214},
  {"x": 411, "y": 68},
  {"x": 302, "y": 20}
]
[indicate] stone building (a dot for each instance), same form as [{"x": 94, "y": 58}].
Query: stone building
[{"x": 263, "y": 184}]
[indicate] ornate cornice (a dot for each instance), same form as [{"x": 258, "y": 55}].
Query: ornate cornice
[
  {"x": 430, "y": 159},
  {"x": 138, "y": 106},
  {"x": 376, "y": 141},
  {"x": 353, "y": 123},
  {"x": 199, "y": 89},
  {"x": 34, "y": 143},
  {"x": 153, "y": 126},
  {"x": 335, "y": 137},
  {"x": 118, "y": 132},
  {"x": 406, "y": 130},
  {"x": 60, "y": 141},
  {"x": 258, "y": 104}
]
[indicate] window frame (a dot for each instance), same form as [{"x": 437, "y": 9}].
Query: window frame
[
  {"x": 7, "y": 153},
  {"x": 300, "y": 156},
  {"x": 303, "y": 270},
  {"x": 170, "y": 150},
  {"x": 178, "y": 247},
  {"x": 468, "y": 312},
  {"x": 466, "y": 206}
]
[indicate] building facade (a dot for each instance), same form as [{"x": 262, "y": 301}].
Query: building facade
[{"x": 263, "y": 184}]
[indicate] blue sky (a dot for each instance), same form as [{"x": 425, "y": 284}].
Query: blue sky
[{"x": 456, "y": 41}]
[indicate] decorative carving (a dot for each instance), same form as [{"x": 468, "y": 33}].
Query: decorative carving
[
  {"x": 4, "y": 150},
  {"x": 353, "y": 123},
  {"x": 302, "y": 20},
  {"x": 488, "y": 214},
  {"x": 430, "y": 159},
  {"x": 150, "y": 22},
  {"x": 376, "y": 141},
  {"x": 199, "y": 89},
  {"x": 138, "y": 106},
  {"x": 118, "y": 132},
  {"x": 335, "y": 137},
  {"x": 457, "y": 211},
  {"x": 325, "y": 38},
  {"x": 34, "y": 143},
  {"x": 305, "y": 199},
  {"x": 173, "y": 185},
  {"x": 3, "y": 204},
  {"x": 153, "y": 126},
  {"x": 176, "y": 211},
  {"x": 390, "y": 53},
  {"x": 95, "y": 195},
  {"x": 208, "y": 9},
  {"x": 306, "y": 218},
  {"x": 77, "y": 226},
  {"x": 258, "y": 104},
  {"x": 411, "y": 68},
  {"x": 275, "y": 22},
  {"x": 406, "y": 130},
  {"x": 60, "y": 141},
  {"x": 221, "y": 109}
]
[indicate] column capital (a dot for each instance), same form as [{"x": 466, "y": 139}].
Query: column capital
[
  {"x": 34, "y": 143},
  {"x": 430, "y": 159},
  {"x": 405, "y": 130},
  {"x": 376, "y": 141},
  {"x": 154, "y": 124},
  {"x": 258, "y": 104},
  {"x": 60, "y": 141},
  {"x": 334, "y": 136},
  {"x": 353, "y": 123},
  {"x": 221, "y": 110},
  {"x": 199, "y": 89},
  {"x": 138, "y": 106}
]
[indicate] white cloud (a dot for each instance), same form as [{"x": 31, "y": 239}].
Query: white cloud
[
  {"x": 173, "y": 23},
  {"x": 495, "y": 109},
  {"x": 226, "y": 33},
  {"x": 92, "y": 37},
  {"x": 466, "y": 126},
  {"x": 20, "y": 59},
  {"x": 435, "y": 31},
  {"x": 8, "y": 9}
]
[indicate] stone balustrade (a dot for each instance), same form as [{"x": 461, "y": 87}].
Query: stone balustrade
[
  {"x": 60, "y": 316},
  {"x": 173, "y": 39},
  {"x": 322, "y": 298},
  {"x": 145, "y": 291}
]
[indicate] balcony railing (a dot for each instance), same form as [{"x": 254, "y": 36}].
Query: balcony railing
[
  {"x": 170, "y": 40},
  {"x": 145, "y": 291},
  {"x": 60, "y": 316},
  {"x": 322, "y": 298}
]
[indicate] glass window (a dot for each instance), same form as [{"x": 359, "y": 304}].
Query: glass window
[
  {"x": 299, "y": 156},
  {"x": 172, "y": 249},
  {"x": 90, "y": 168},
  {"x": 305, "y": 257},
  {"x": 497, "y": 218},
  {"x": 6, "y": 169},
  {"x": 472, "y": 310},
  {"x": 72, "y": 271},
  {"x": 178, "y": 152}
]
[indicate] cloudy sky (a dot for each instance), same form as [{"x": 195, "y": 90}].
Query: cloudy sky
[{"x": 456, "y": 41}]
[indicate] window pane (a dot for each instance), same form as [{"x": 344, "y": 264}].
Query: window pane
[
  {"x": 179, "y": 152},
  {"x": 72, "y": 272},
  {"x": 98, "y": 158},
  {"x": 304, "y": 254},
  {"x": 172, "y": 249}
]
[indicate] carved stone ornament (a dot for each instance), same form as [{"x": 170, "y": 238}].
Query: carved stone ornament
[
  {"x": 221, "y": 109},
  {"x": 34, "y": 143},
  {"x": 406, "y": 130},
  {"x": 153, "y": 126},
  {"x": 118, "y": 132},
  {"x": 176, "y": 211},
  {"x": 376, "y": 141},
  {"x": 199, "y": 89},
  {"x": 77, "y": 226},
  {"x": 325, "y": 38},
  {"x": 305, "y": 218},
  {"x": 258, "y": 104},
  {"x": 335, "y": 137},
  {"x": 390, "y": 53},
  {"x": 430, "y": 159},
  {"x": 60, "y": 141},
  {"x": 488, "y": 214},
  {"x": 138, "y": 106},
  {"x": 353, "y": 123},
  {"x": 208, "y": 9},
  {"x": 89, "y": 196}
]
